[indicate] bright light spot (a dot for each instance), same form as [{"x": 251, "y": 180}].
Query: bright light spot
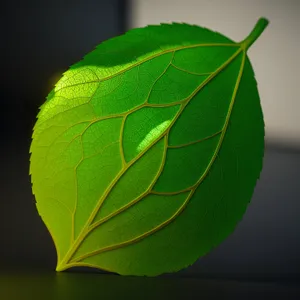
[{"x": 152, "y": 135}]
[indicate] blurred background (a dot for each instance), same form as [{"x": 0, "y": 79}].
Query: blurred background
[{"x": 40, "y": 40}]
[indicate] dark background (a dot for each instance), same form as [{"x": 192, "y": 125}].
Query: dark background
[{"x": 39, "y": 41}]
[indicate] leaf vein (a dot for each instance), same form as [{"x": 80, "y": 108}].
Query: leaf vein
[
  {"x": 190, "y": 72},
  {"x": 197, "y": 141},
  {"x": 137, "y": 199}
]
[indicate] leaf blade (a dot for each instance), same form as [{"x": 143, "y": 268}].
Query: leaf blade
[{"x": 98, "y": 83}]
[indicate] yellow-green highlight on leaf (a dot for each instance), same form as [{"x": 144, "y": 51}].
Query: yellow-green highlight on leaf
[
  {"x": 146, "y": 153},
  {"x": 141, "y": 124},
  {"x": 152, "y": 135}
]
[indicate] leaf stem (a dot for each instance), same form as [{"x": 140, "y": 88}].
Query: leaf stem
[{"x": 259, "y": 27}]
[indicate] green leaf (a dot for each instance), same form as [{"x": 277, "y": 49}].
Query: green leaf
[{"x": 146, "y": 153}]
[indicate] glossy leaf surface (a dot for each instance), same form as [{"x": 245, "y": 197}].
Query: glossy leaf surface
[{"x": 146, "y": 153}]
